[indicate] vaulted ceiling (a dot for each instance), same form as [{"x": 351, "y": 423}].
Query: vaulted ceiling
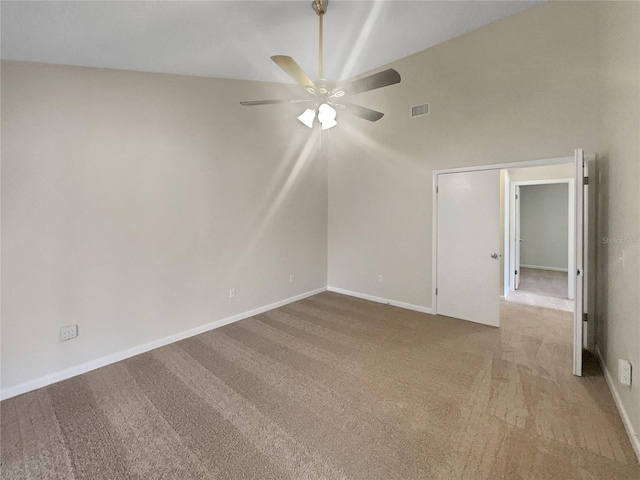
[{"x": 234, "y": 39}]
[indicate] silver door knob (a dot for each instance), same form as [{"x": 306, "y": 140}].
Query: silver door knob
[
  {"x": 494, "y": 255},
  {"x": 521, "y": 240}
]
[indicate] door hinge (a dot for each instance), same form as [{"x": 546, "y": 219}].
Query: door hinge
[
  {"x": 437, "y": 189},
  {"x": 586, "y": 180},
  {"x": 516, "y": 197},
  {"x": 516, "y": 272},
  {"x": 585, "y": 317},
  {"x": 436, "y": 291}
]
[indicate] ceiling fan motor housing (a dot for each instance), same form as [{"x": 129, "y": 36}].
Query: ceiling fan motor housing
[{"x": 320, "y": 6}]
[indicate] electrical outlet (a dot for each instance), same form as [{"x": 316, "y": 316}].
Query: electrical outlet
[
  {"x": 232, "y": 293},
  {"x": 380, "y": 279},
  {"x": 624, "y": 372},
  {"x": 291, "y": 278},
  {"x": 68, "y": 332}
]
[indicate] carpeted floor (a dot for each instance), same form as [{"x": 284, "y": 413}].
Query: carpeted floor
[
  {"x": 542, "y": 288},
  {"x": 544, "y": 282},
  {"x": 331, "y": 387}
]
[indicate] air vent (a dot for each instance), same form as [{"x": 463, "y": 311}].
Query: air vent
[{"x": 420, "y": 110}]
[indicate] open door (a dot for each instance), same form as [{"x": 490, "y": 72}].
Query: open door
[
  {"x": 468, "y": 246},
  {"x": 581, "y": 246},
  {"x": 589, "y": 243},
  {"x": 517, "y": 240}
]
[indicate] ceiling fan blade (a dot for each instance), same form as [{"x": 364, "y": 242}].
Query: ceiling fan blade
[
  {"x": 273, "y": 102},
  {"x": 292, "y": 69},
  {"x": 377, "y": 80},
  {"x": 359, "y": 111}
]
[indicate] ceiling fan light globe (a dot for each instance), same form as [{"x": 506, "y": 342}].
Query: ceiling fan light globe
[
  {"x": 327, "y": 124},
  {"x": 307, "y": 117},
  {"x": 326, "y": 113}
]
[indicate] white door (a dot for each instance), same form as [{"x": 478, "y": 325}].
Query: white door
[
  {"x": 518, "y": 241},
  {"x": 579, "y": 272},
  {"x": 468, "y": 246}
]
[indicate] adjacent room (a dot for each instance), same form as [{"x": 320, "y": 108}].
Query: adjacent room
[
  {"x": 544, "y": 258},
  {"x": 540, "y": 234},
  {"x": 240, "y": 240}
]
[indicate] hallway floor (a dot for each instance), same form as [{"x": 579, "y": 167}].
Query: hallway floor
[{"x": 543, "y": 288}]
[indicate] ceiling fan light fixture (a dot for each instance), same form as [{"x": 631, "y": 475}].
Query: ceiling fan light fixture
[
  {"x": 327, "y": 116},
  {"x": 328, "y": 124},
  {"x": 307, "y": 117},
  {"x": 322, "y": 91}
]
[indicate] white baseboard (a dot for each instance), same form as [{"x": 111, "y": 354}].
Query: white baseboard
[
  {"x": 540, "y": 267},
  {"x": 364, "y": 296},
  {"x": 626, "y": 421},
  {"x": 131, "y": 352}
]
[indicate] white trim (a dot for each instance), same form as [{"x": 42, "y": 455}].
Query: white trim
[
  {"x": 626, "y": 421},
  {"x": 364, "y": 296},
  {"x": 540, "y": 267},
  {"x": 434, "y": 244},
  {"x": 506, "y": 244},
  {"x": 131, "y": 352},
  {"x": 548, "y": 181},
  {"x": 578, "y": 264},
  {"x": 501, "y": 166}
]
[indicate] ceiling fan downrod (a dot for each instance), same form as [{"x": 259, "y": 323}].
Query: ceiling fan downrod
[{"x": 320, "y": 7}]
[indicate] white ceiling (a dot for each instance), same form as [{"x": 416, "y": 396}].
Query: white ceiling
[{"x": 234, "y": 39}]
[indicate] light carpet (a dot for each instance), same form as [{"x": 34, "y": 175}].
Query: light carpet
[{"x": 331, "y": 387}]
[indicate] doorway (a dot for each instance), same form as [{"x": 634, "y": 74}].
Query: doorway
[
  {"x": 540, "y": 228},
  {"x": 445, "y": 262}
]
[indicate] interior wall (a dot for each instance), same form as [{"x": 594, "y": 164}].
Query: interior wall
[
  {"x": 618, "y": 202},
  {"x": 544, "y": 226},
  {"x": 547, "y": 172},
  {"x": 132, "y": 203},
  {"x": 519, "y": 89}
]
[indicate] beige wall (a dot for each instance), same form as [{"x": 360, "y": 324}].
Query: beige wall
[
  {"x": 133, "y": 202},
  {"x": 524, "y": 88},
  {"x": 617, "y": 302},
  {"x": 536, "y": 85},
  {"x": 548, "y": 172}
]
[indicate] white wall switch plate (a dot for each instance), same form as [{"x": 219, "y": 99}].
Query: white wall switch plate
[
  {"x": 232, "y": 293},
  {"x": 380, "y": 279},
  {"x": 291, "y": 278}
]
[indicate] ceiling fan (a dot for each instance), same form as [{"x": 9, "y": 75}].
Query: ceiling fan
[{"x": 323, "y": 97}]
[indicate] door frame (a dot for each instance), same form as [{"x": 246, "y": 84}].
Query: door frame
[
  {"x": 589, "y": 167},
  {"x": 510, "y": 227},
  {"x": 511, "y": 239},
  {"x": 588, "y": 160},
  {"x": 434, "y": 217}
]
